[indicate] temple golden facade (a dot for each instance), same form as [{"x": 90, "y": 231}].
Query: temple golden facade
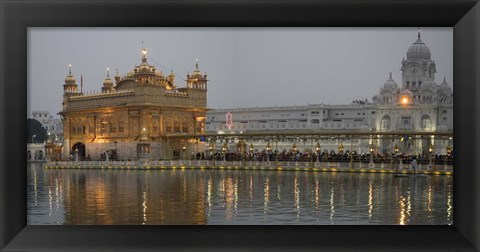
[{"x": 134, "y": 115}]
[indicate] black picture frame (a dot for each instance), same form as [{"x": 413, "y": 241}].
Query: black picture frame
[{"x": 17, "y": 16}]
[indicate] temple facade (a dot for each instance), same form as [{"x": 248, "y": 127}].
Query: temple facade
[
  {"x": 133, "y": 115},
  {"x": 418, "y": 104}
]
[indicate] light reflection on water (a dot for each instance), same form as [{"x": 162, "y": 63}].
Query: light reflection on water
[{"x": 157, "y": 197}]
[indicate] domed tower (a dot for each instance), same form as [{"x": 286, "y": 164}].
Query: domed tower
[
  {"x": 418, "y": 66},
  {"x": 117, "y": 76},
  {"x": 146, "y": 74},
  {"x": 171, "y": 77},
  {"x": 388, "y": 92},
  {"x": 70, "y": 85},
  {"x": 107, "y": 84},
  {"x": 197, "y": 80},
  {"x": 444, "y": 93},
  {"x": 70, "y": 88},
  {"x": 428, "y": 92}
]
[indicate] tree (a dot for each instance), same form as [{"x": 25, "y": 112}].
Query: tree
[{"x": 34, "y": 127}]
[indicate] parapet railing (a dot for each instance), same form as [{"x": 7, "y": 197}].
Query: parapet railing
[{"x": 152, "y": 164}]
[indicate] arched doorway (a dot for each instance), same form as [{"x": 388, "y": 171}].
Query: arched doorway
[
  {"x": 38, "y": 155},
  {"x": 81, "y": 151}
]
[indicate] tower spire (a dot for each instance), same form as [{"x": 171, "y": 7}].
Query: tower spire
[
  {"x": 419, "y": 30},
  {"x": 108, "y": 74},
  {"x": 390, "y": 75},
  {"x": 69, "y": 68},
  {"x": 196, "y": 64}
]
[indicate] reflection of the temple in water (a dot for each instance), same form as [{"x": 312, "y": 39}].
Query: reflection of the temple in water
[
  {"x": 239, "y": 197},
  {"x": 130, "y": 197}
]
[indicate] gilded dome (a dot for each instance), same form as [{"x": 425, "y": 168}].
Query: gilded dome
[
  {"x": 108, "y": 82},
  {"x": 418, "y": 50},
  {"x": 117, "y": 76},
  {"x": 70, "y": 79},
  {"x": 158, "y": 73}
]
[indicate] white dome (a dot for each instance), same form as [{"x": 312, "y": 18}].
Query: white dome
[
  {"x": 444, "y": 87},
  {"x": 390, "y": 83},
  {"x": 418, "y": 50},
  {"x": 430, "y": 84},
  {"x": 406, "y": 92}
]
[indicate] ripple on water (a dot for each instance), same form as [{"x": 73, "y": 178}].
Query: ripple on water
[{"x": 225, "y": 197}]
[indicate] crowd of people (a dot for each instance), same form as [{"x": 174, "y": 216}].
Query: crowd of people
[
  {"x": 329, "y": 157},
  {"x": 301, "y": 157}
]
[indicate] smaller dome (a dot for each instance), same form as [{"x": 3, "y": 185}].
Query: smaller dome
[
  {"x": 406, "y": 92},
  {"x": 117, "y": 76},
  {"x": 70, "y": 79},
  {"x": 196, "y": 72},
  {"x": 158, "y": 73},
  {"x": 405, "y": 97},
  {"x": 390, "y": 83},
  {"x": 444, "y": 87},
  {"x": 108, "y": 82},
  {"x": 430, "y": 84},
  {"x": 171, "y": 76},
  {"x": 144, "y": 68}
]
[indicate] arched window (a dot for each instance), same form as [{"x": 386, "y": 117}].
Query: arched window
[
  {"x": 386, "y": 122},
  {"x": 426, "y": 122}
]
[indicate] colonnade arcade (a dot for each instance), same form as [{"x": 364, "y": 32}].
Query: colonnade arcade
[{"x": 378, "y": 143}]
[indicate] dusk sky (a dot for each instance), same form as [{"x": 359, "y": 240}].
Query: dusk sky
[{"x": 246, "y": 67}]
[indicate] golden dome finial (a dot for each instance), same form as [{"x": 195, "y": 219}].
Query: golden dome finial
[
  {"x": 108, "y": 73},
  {"x": 171, "y": 76},
  {"x": 196, "y": 64},
  {"x": 69, "y": 68},
  {"x": 144, "y": 50}
]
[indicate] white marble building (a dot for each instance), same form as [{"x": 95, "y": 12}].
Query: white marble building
[
  {"x": 51, "y": 123},
  {"x": 419, "y": 104}
]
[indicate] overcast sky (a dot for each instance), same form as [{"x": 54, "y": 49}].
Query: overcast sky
[{"x": 246, "y": 67}]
